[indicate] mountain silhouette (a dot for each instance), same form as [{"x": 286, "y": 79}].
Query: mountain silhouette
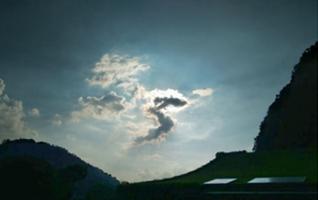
[
  {"x": 59, "y": 159},
  {"x": 291, "y": 121}
]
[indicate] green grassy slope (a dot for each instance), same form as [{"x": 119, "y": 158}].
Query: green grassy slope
[{"x": 246, "y": 166}]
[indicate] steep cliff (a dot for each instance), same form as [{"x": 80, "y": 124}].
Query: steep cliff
[{"x": 291, "y": 121}]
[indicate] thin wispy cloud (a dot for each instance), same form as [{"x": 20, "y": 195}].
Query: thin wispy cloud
[
  {"x": 101, "y": 108},
  {"x": 57, "y": 120},
  {"x": 203, "y": 92},
  {"x": 119, "y": 70},
  {"x": 34, "y": 112}
]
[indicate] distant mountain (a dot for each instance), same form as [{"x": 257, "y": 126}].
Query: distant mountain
[
  {"x": 291, "y": 121},
  {"x": 59, "y": 159}
]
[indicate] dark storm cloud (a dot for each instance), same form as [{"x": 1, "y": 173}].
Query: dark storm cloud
[
  {"x": 165, "y": 125},
  {"x": 165, "y": 122},
  {"x": 163, "y": 102}
]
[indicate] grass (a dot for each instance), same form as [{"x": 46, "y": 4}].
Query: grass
[{"x": 245, "y": 166}]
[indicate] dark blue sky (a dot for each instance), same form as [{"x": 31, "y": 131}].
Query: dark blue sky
[{"x": 243, "y": 50}]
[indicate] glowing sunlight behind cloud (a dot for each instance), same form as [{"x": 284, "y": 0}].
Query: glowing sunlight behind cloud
[{"x": 127, "y": 98}]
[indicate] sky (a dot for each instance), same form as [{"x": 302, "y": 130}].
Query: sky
[{"x": 147, "y": 89}]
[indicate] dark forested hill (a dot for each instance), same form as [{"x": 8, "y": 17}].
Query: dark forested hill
[
  {"x": 291, "y": 121},
  {"x": 59, "y": 161}
]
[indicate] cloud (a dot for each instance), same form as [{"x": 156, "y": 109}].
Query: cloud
[
  {"x": 129, "y": 99},
  {"x": 152, "y": 157},
  {"x": 114, "y": 69},
  {"x": 116, "y": 73},
  {"x": 169, "y": 99},
  {"x": 203, "y": 92},
  {"x": 57, "y": 120},
  {"x": 12, "y": 124},
  {"x": 163, "y": 102},
  {"x": 101, "y": 108},
  {"x": 163, "y": 119},
  {"x": 2, "y": 86},
  {"x": 34, "y": 112},
  {"x": 159, "y": 133}
]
